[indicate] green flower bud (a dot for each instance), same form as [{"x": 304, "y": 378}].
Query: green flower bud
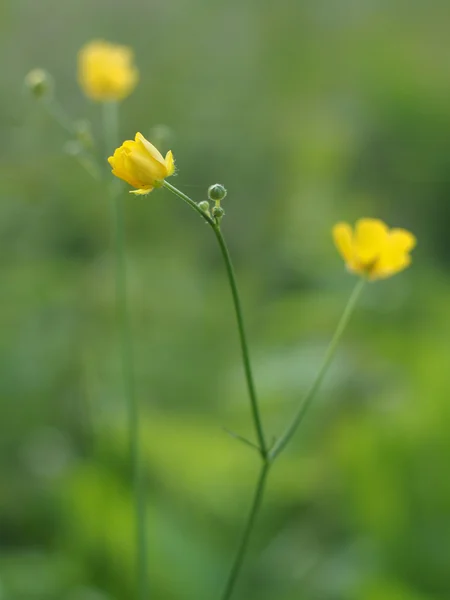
[
  {"x": 39, "y": 83},
  {"x": 217, "y": 192},
  {"x": 204, "y": 206},
  {"x": 217, "y": 212}
]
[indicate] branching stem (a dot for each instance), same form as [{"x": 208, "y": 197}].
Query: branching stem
[{"x": 267, "y": 456}]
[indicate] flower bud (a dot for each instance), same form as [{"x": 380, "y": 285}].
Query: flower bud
[
  {"x": 204, "y": 207},
  {"x": 39, "y": 83},
  {"x": 218, "y": 212},
  {"x": 217, "y": 192},
  {"x": 141, "y": 165}
]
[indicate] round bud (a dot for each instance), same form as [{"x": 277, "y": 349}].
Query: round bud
[
  {"x": 39, "y": 83},
  {"x": 204, "y": 206},
  {"x": 217, "y": 212},
  {"x": 217, "y": 192}
]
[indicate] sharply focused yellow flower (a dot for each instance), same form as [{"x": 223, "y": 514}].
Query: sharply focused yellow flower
[
  {"x": 106, "y": 71},
  {"x": 373, "y": 250},
  {"x": 141, "y": 165}
]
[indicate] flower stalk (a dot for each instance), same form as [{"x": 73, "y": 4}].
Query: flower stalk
[
  {"x": 268, "y": 456},
  {"x": 110, "y": 127}
]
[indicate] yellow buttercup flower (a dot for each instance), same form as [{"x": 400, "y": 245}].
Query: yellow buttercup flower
[
  {"x": 106, "y": 71},
  {"x": 372, "y": 249},
  {"x": 141, "y": 165}
]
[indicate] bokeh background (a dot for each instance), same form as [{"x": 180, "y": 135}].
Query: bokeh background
[{"x": 310, "y": 112}]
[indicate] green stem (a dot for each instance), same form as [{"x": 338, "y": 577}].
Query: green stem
[
  {"x": 308, "y": 398},
  {"x": 188, "y": 201},
  {"x": 110, "y": 125},
  {"x": 56, "y": 111},
  {"x": 285, "y": 438},
  {"x": 251, "y": 519},
  {"x": 267, "y": 457},
  {"x": 243, "y": 339},
  {"x": 85, "y": 159},
  {"x": 239, "y": 317}
]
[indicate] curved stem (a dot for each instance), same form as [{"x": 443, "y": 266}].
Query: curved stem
[
  {"x": 110, "y": 125},
  {"x": 308, "y": 398},
  {"x": 188, "y": 201},
  {"x": 267, "y": 457},
  {"x": 242, "y": 549},
  {"x": 86, "y": 160},
  {"x": 239, "y": 317},
  {"x": 243, "y": 339},
  {"x": 59, "y": 114}
]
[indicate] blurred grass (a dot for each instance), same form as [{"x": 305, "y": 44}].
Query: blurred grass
[{"x": 308, "y": 112}]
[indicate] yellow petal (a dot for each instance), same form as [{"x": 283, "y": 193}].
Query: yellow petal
[
  {"x": 170, "y": 163},
  {"x": 402, "y": 240},
  {"x": 390, "y": 265},
  {"x": 141, "y": 192},
  {"x": 395, "y": 255},
  {"x": 150, "y": 148},
  {"x": 370, "y": 239},
  {"x": 343, "y": 239}
]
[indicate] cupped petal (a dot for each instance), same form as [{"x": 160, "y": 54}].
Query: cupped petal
[
  {"x": 402, "y": 240},
  {"x": 150, "y": 148},
  {"x": 387, "y": 265},
  {"x": 343, "y": 239},
  {"x": 395, "y": 255},
  {"x": 145, "y": 167},
  {"x": 141, "y": 192},
  {"x": 170, "y": 163},
  {"x": 370, "y": 238}
]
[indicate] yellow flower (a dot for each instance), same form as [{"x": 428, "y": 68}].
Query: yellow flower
[
  {"x": 141, "y": 165},
  {"x": 373, "y": 250},
  {"x": 106, "y": 71}
]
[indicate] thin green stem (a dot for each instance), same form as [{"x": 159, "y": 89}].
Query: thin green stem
[
  {"x": 110, "y": 126},
  {"x": 239, "y": 317},
  {"x": 251, "y": 519},
  {"x": 59, "y": 114},
  {"x": 243, "y": 339},
  {"x": 267, "y": 457},
  {"x": 285, "y": 438},
  {"x": 308, "y": 398},
  {"x": 188, "y": 201},
  {"x": 85, "y": 159}
]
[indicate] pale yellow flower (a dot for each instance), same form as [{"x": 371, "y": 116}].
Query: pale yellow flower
[
  {"x": 106, "y": 71},
  {"x": 141, "y": 165},
  {"x": 373, "y": 250}
]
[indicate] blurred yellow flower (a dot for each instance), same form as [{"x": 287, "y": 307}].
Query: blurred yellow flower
[
  {"x": 106, "y": 71},
  {"x": 141, "y": 165},
  {"x": 373, "y": 250}
]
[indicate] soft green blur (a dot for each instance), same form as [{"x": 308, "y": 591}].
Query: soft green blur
[{"x": 309, "y": 112}]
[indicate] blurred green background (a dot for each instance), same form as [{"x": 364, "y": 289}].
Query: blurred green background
[{"x": 309, "y": 112}]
